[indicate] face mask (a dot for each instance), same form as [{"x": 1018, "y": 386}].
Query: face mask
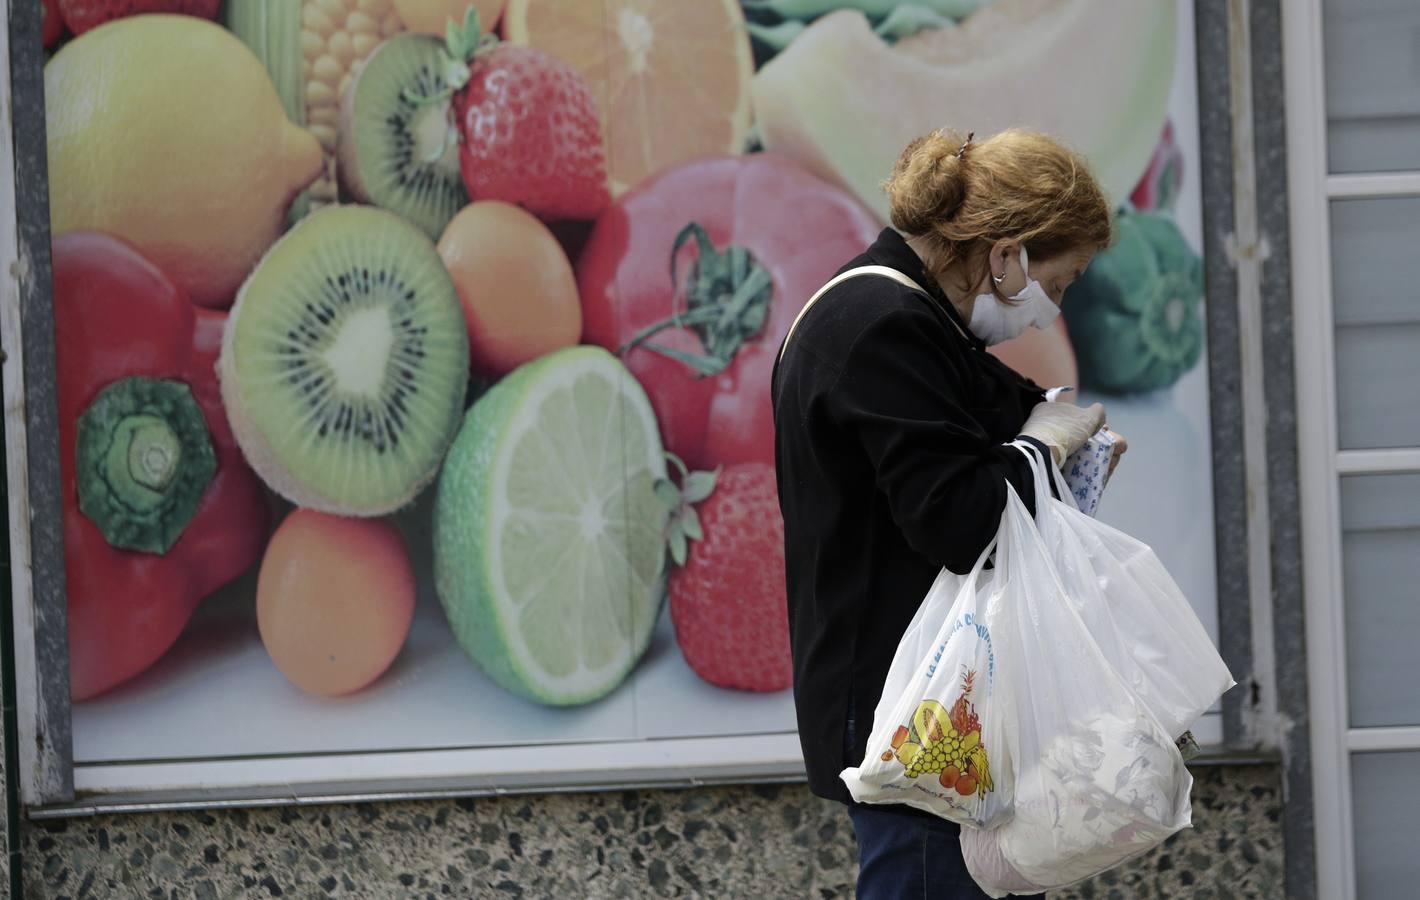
[{"x": 996, "y": 322}]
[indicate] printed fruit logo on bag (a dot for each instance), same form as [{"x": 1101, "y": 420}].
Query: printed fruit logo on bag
[{"x": 946, "y": 744}]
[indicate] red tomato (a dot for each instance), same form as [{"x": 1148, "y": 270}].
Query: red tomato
[{"x": 697, "y": 220}]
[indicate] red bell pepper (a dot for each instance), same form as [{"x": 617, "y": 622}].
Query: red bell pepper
[
  {"x": 1158, "y": 187},
  {"x": 51, "y": 23},
  {"x": 160, "y": 509}
]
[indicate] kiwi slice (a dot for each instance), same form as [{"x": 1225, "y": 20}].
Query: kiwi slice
[
  {"x": 393, "y": 150},
  {"x": 345, "y": 362}
]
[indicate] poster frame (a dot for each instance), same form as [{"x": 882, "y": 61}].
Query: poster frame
[{"x": 50, "y": 784}]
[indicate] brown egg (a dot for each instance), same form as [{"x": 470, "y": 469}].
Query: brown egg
[
  {"x": 1044, "y": 355},
  {"x": 334, "y": 600}
]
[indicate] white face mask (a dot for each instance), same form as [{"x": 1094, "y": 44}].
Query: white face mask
[{"x": 996, "y": 322}]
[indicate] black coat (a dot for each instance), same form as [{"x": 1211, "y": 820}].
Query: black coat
[{"x": 890, "y": 422}]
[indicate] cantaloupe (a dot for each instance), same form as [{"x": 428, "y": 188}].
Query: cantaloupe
[{"x": 1096, "y": 73}]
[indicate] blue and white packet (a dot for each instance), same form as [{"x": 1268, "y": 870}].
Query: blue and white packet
[{"x": 1087, "y": 470}]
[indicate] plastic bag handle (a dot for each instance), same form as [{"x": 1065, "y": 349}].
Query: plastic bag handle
[
  {"x": 1039, "y": 467},
  {"x": 992, "y": 546},
  {"x": 1066, "y": 495},
  {"x": 1042, "y": 484}
]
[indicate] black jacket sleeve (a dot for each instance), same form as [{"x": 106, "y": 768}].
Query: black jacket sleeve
[{"x": 944, "y": 478}]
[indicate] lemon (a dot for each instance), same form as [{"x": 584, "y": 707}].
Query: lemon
[
  {"x": 167, "y": 131},
  {"x": 548, "y": 535}
]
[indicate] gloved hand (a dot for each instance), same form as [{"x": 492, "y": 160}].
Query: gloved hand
[
  {"x": 1120, "y": 447},
  {"x": 1063, "y": 427}
]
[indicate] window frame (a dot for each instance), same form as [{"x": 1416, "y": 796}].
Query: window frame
[{"x": 1322, "y": 463}]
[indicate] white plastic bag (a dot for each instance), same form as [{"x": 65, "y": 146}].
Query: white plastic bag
[
  {"x": 938, "y": 730},
  {"x": 1132, "y": 607},
  {"x": 1108, "y": 790},
  {"x": 1099, "y": 779}
]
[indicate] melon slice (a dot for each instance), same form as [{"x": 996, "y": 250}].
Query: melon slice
[{"x": 1095, "y": 73}]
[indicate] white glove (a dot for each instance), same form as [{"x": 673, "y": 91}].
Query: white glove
[{"x": 1063, "y": 427}]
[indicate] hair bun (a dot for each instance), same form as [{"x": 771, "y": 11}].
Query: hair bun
[{"x": 928, "y": 184}]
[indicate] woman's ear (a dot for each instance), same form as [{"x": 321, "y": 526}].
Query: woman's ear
[{"x": 1006, "y": 274}]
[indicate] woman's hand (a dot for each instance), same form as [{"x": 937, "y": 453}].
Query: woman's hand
[
  {"x": 1063, "y": 427},
  {"x": 1121, "y": 447}
]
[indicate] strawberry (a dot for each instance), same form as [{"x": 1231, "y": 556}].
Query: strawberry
[
  {"x": 81, "y": 15},
  {"x": 51, "y": 23},
  {"x": 527, "y": 125},
  {"x": 727, "y": 594}
]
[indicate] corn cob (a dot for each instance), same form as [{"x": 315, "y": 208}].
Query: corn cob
[
  {"x": 336, "y": 36},
  {"x": 312, "y": 48}
]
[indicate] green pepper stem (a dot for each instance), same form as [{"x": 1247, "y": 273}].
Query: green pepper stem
[
  {"x": 154, "y": 451},
  {"x": 143, "y": 461}
]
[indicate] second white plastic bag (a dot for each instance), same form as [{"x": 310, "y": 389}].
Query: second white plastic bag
[
  {"x": 1132, "y": 607},
  {"x": 1099, "y": 779}
]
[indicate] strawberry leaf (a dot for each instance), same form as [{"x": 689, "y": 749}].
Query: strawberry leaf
[
  {"x": 668, "y": 494},
  {"x": 462, "y": 43},
  {"x": 699, "y": 485},
  {"x": 453, "y": 39},
  {"x": 462, "y": 40},
  {"x": 683, "y": 524},
  {"x": 472, "y": 27},
  {"x": 680, "y": 548},
  {"x": 678, "y": 464},
  {"x": 690, "y": 524}
]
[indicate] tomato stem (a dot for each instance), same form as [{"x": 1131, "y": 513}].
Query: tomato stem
[{"x": 727, "y": 299}]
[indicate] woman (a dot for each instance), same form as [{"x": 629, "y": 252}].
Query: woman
[{"x": 892, "y": 430}]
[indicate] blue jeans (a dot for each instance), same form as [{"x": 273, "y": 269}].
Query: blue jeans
[{"x": 904, "y": 854}]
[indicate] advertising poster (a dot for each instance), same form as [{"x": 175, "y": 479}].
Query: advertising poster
[{"x": 413, "y": 355}]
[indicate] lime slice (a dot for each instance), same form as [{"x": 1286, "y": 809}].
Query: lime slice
[{"x": 548, "y": 535}]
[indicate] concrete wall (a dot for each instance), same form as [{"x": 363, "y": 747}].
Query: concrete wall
[{"x": 762, "y": 842}]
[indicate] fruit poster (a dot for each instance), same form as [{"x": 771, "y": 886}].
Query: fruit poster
[{"x": 413, "y": 355}]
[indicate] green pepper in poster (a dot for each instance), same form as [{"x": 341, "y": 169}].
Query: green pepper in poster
[{"x": 1135, "y": 315}]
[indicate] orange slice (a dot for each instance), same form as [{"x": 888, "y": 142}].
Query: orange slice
[
  {"x": 434, "y": 16},
  {"x": 671, "y": 79}
]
